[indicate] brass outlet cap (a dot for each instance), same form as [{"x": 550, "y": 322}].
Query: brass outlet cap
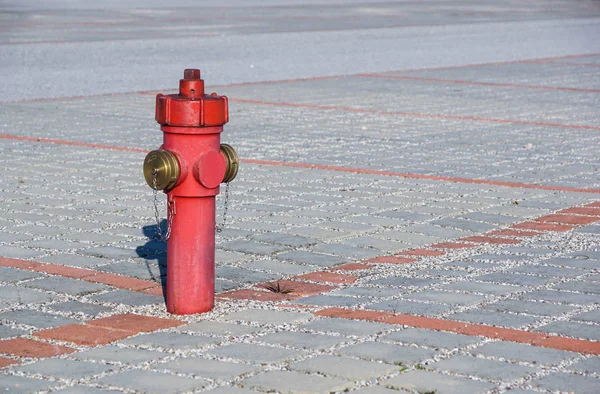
[
  {"x": 161, "y": 169},
  {"x": 233, "y": 162}
]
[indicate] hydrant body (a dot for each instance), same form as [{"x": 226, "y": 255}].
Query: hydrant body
[{"x": 189, "y": 167}]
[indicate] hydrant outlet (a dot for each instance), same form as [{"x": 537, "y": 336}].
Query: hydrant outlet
[
  {"x": 161, "y": 169},
  {"x": 232, "y": 161}
]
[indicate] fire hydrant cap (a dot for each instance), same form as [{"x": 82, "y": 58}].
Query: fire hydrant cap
[
  {"x": 210, "y": 169},
  {"x": 191, "y": 107}
]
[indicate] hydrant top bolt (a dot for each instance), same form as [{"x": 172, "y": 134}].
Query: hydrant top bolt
[{"x": 191, "y": 73}]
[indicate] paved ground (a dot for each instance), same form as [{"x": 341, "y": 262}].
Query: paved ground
[{"x": 421, "y": 179}]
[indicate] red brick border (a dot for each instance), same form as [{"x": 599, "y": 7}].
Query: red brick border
[{"x": 480, "y": 330}]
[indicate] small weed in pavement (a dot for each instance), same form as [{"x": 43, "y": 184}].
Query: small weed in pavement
[{"x": 278, "y": 288}]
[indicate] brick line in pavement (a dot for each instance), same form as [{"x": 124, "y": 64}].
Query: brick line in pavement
[
  {"x": 464, "y": 82},
  {"x": 414, "y": 114},
  {"x": 107, "y": 330},
  {"x": 152, "y": 92},
  {"x": 326, "y": 167}
]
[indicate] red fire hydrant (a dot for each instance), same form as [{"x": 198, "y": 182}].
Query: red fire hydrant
[{"x": 189, "y": 167}]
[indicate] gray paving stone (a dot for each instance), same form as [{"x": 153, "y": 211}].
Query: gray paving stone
[
  {"x": 578, "y": 263},
  {"x": 581, "y": 286},
  {"x": 242, "y": 275},
  {"x": 550, "y": 271},
  {"x": 529, "y": 307},
  {"x": 127, "y": 297},
  {"x": 435, "y": 339},
  {"x": 252, "y": 247},
  {"x": 207, "y": 369},
  {"x": 588, "y": 230},
  {"x": 65, "y": 369},
  {"x": 265, "y": 316},
  {"x": 12, "y": 275},
  {"x": 111, "y": 252},
  {"x": 70, "y": 286},
  {"x": 10, "y": 294},
  {"x": 432, "y": 382},
  {"x": 400, "y": 281},
  {"x": 572, "y": 329},
  {"x": 115, "y": 354},
  {"x": 148, "y": 270},
  {"x": 9, "y": 332},
  {"x": 290, "y": 382},
  {"x": 591, "y": 316},
  {"x": 151, "y": 382},
  {"x": 283, "y": 239},
  {"x": 328, "y": 300},
  {"x": 564, "y": 297},
  {"x": 375, "y": 390},
  {"x": 482, "y": 288},
  {"x": 301, "y": 340},
  {"x": 346, "y": 327},
  {"x": 463, "y": 224},
  {"x": 347, "y": 251},
  {"x": 512, "y": 351},
  {"x": 561, "y": 381},
  {"x": 499, "y": 257},
  {"x": 343, "y": 367},
  {"x": 18, "y": 253},
  {"x": 366, "y": 292},
  {"x": 76, "y": 307},
  {"x": 447, "y": 297},
  {"x": 36, "y": 319},
  {"x": 489, "y": 218},
  {"x": 499, "y": 319},
  {"x": 483, "y": 368},
  {"x": 388, "y": 353},
  {"x": 516, "y": 279},
  {"x": 83, "y": 390},
  {"x": 587, "y": 365},
  {"x": 278, "y": 267},
  {"x": 218, "y": 328},
  {"x": 255, "y": 353},
  {"x": 319, "y": 259},
  {"x": 230, "y": 390},
  {"x": 411, "y": 308},
  {"x": 20, "y": 384},
  {"x": 170, "y": 341}
]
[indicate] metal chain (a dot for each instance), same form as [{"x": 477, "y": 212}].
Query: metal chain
[
  {"x": 225, "y": 207},
  {"x": 171, "y": 210}
]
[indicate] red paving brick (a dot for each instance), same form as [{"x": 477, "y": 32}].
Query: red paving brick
[
  {"x": 68, "y": 272},
  {"x": 23, "y": 347},
  {"x": 590, "y": 211},
  {"x": 491, "y": 240},
  {"x": 570, "y": 344},
  {"x": 5, "y": 362},
  {"x": 157, "y": 290},
  {"x": 351, "y": 267},
  {"x": 258, "y": 295},
  {"x": 567, "y": 219},
  {"x": 514, "y": 233},
  {"x": 121, "y": 282},
  {"x": 329, "y": 277},
  {"x": 505, "y": 334},
  {"x": 16, "y": 263},
  {"x": 453, "y": 245},
  {"x": 543, "y": 226},
  {"x": 135, "y": 323},
  {"x": 595, "y": 204},
  {"x": 391, "y": 260},
  {"x": 83, "y": 334},
  {"x": 422, "y": 252}
]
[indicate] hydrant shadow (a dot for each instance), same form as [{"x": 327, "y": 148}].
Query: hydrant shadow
[{"x": 155, "y": 249}]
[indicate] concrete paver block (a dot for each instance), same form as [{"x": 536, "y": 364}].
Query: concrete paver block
[{"x": 290, "y": 382}]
